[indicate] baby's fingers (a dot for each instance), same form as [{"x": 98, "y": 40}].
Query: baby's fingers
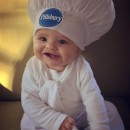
[
  {"x": 70, "y": 121},
  {"x": 68, "y": 126}
]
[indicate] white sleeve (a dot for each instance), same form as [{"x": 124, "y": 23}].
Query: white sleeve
[
  {"x": 93, "y": 101},
  {"x": 39, "y": 112}
]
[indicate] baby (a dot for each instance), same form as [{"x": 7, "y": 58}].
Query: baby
[{"x": 59, "y": 91}]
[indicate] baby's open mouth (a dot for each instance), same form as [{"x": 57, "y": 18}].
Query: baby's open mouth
[{"x": 50, "y": 55}]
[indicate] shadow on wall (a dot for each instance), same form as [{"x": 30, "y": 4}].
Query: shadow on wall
[
  {"x": 20, "y": 66},
  {"x": 15, "y": 94}
]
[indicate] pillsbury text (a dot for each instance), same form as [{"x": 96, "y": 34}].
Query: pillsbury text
[{"x": 50, "y": 17}]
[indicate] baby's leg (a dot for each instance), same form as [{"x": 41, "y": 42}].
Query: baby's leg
[
  {"x": 27, "y": 124},
  {"x": 116, "y": 122}
]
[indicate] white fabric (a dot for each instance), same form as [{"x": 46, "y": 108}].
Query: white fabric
[
  {"x": 49, "y": 97},
  {"x": 85, "y": 21}
]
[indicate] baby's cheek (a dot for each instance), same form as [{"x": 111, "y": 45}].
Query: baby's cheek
[{"x": 37, "y": 48}]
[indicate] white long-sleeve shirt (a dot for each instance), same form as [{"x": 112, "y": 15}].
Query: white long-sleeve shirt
[{"x": 48, "y": 97}]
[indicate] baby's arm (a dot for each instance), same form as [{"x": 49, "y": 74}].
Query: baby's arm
[
  {"x": 93, "y": 101},
  {"x": 34, "y": 107},
  {"x": 67, "y": 124}
]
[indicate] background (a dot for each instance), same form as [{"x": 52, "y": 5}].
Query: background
[{"x": 15, "y": 39}]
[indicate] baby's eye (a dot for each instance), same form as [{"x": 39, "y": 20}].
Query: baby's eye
[
  {"x": 43, "y": 39},
  {"x": 62, "y": 42}
]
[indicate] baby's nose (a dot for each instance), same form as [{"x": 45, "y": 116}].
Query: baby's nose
[{"x": 51, "y": 45}]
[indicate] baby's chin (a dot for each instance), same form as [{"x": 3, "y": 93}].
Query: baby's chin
[{"x": 57, "y": 68}]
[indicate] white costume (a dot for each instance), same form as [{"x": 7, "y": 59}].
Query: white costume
[{"x": 48, "y": 97}]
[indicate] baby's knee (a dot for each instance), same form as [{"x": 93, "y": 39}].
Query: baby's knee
[
  {"x": 111, "y": 109},
  {"x": 115, "y": 120}
]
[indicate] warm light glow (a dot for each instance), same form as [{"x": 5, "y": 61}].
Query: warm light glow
[
  {"x": 6, "y": 75},
  {"x": 15, "y": 37}
]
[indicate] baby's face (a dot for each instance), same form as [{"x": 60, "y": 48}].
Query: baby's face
[{"x": 54, "y": 49}]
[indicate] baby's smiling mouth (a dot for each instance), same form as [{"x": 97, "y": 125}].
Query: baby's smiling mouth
[{"x": 50, "y": 55}]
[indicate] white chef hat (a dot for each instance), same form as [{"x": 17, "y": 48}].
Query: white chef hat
[{"x": 82, "y": 21}]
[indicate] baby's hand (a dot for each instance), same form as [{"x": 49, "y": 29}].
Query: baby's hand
[{"x": 67, "y": 124}]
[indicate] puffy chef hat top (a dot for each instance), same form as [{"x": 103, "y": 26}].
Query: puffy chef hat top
[{"x": 82, "y": 21}]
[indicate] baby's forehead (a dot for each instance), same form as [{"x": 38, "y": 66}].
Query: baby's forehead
[{"x": 53, "y": 32}]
